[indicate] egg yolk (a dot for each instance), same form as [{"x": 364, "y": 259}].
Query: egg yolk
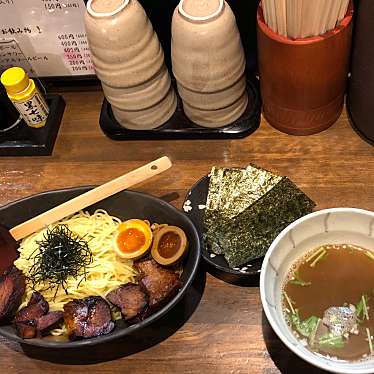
[
  {"x": 130, "y": 240},
  {"x": 169, "y": 244}
]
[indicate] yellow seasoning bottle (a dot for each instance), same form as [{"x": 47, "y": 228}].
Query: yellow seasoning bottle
[{"x": 25, "y": 96}]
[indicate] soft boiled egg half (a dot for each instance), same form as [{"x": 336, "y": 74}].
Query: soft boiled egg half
[{"x": 133, "y": 239}]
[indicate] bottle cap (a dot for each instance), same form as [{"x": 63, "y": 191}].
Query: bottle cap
[{"x": 15, "y": 80}]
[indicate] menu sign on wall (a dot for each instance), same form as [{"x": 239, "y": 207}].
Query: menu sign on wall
[{"x": 45, "y": 37}]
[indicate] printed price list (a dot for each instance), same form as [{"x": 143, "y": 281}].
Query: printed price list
[
  {"x": 61, "y": 5},
  {"x": 45, "y": 37},
  {"x": 76, "y": 52}
]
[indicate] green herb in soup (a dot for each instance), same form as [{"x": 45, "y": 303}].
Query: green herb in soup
[{"x": 328, "y": 301}]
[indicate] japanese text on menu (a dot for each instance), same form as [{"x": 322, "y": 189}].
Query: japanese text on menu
[{"x": 45, "y": 37}]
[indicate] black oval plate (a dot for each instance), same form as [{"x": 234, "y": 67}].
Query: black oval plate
[
  {"x": 193, "y": 207},
  {"x": 125, "y": 205}
]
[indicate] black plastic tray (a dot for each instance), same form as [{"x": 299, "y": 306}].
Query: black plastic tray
[
  {"x": 23, "y": 140},
  {"x": 180, "y": 127}
]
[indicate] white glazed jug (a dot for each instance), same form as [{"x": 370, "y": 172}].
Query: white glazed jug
[
  {"x": 129, "y": 62},
  {"x": 208, "y": 62}
]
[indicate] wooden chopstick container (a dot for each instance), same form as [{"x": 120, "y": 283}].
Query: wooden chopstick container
[{"x": 303, "y": 81}]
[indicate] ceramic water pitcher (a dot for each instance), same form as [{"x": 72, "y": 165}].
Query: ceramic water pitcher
[
  {"x": 129, "y": 61},
  {"x": 208, "y": 62}
]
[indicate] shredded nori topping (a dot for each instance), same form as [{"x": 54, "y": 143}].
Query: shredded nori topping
[
  {"x": 60, "y": 255},
  {"x": 244, "y": 234}
]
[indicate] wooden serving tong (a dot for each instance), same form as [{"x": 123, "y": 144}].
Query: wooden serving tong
[{"x": 8, "y": 239}]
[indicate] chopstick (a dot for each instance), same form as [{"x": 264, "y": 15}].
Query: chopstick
[
  {"x": 265, "y": 10},
  {"x": 91, "y": 197},
  {"x": 303, "y": 18},
  {"x": 299, "y": 14},
  {"x": 307, "y": 21},
  {"x": 291, "y": 10},
  {"x": 317, "y": 13},
  {"x": 280, "y": 12},
  {"x": 333, "y": 15},
  {"x": 343, "y": 10},
  {"x": 272, "y": 15},
  {"x": 325, "y": 16}
]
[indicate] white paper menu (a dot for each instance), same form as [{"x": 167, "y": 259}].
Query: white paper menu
[{"x": 45, "y": 37}]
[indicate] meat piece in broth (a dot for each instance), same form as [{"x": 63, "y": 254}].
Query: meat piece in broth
[
  {"x": 12, "y": 288},
  {"x": 340, "y": 320},
  {"x": 130, "y": 299},
  {"x": 88, "y": 317},
  {"x": 159, "y": 283}
]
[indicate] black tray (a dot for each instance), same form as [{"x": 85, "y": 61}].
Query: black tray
[
  {"x": 180, "y": 127},
  {"x": 23, "y": 140}
]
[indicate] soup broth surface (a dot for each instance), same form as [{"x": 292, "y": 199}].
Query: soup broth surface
[{"x": 340, "y": 276}]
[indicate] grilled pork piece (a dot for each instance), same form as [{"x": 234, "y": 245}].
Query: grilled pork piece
[
  {"x": 88, "y": 317},
  {"x": 160, "y": 284},
  {"x": 36, "y": 298},
  {"x": 8, "y": 249},
  {"x": 48, "y": 322},
  {"x": 26, "y": 329},
  {"x": 27, "y": 318},
  {"x": 36, "y": 307},
  {"x": 130, "y": 299},
  {"x": 12, "y": 288}
]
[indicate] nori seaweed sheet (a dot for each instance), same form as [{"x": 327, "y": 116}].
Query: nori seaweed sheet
[
  {"x": 215, "y": 186},
  {"x": 231, "y": 191},
  {"x": 249, "y": 235}
]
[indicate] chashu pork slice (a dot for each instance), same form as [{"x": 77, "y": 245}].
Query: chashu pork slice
[
  {"x": 159, "y": 283},
  {"x": 36, "y": 307},
  {"x": 88, "y": 317},
  {"x": 26, "y": 319},
  {"x": 12, "y": 288},
  {"x": 49, "y": 322},
  {"x": 131, "y": 299}
]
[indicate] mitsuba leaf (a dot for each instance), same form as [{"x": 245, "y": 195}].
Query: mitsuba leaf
[
  {"x": 299, "y": 282},
  {"x": 306, "y": 327},
  {"x": 332, "y": 341},
  {"x": 360, "y": 306}
]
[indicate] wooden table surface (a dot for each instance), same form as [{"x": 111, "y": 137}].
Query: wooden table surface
[{"x": 221, "y": 328}]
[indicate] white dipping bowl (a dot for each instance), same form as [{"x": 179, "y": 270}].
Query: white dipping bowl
[{"x": 329, "y": 226}]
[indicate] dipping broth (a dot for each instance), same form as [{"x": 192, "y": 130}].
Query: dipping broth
[{"x": 328, "y": 301}]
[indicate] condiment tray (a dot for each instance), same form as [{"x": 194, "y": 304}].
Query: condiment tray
[{"x": 23, "y": 140}]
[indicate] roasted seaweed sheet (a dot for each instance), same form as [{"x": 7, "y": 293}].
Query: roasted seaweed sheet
[
  {"x": 232, "y": 191},
  {"x": 241, "y": 222}
]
